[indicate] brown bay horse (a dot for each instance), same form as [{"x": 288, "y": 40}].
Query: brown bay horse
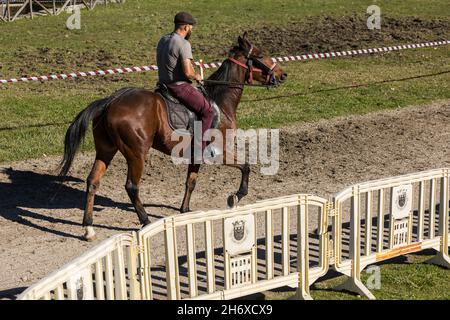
[{"x": 133, "y": 120}]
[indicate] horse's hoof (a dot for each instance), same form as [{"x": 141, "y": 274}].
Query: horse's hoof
[
  {"x": 90, "y": 235},
  {"x": 232, "y": 201},
  {"x": 185, "y": 210},
  {"x": 146, "y": 223},
  {"x": 89, "y": 239}
]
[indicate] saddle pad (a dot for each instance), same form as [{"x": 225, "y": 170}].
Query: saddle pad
[{"x": 179, "y": 117}]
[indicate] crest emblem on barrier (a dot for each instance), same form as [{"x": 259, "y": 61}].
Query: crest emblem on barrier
[
  {"x": 402, "y": 201},
  {"x": 239, "y": 230},
  {"x": 79, "y": 288},
  {"x": 79, "y": 285},
  {"x": 239, "y": 233}
]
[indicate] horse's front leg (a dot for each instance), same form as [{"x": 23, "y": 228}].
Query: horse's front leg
[
  {"x": 191, "y": 180},
  {"x": 234, "y": 199}
]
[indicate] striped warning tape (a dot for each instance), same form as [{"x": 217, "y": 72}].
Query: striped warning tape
[
  {"x": 82, "y": 74},
  {"x": 360, "y": 51},
  {"x": 217, "y": 64}
]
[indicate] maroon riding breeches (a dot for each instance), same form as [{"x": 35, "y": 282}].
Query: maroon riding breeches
[{"x": 195, "y": 101}]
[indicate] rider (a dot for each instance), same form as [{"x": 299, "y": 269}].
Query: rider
[{"x": 176, "y": 70}]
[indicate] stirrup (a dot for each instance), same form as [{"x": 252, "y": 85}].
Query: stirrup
[
  {"x": 212, "y": 151},
  {"x": 216, "y": 119}
]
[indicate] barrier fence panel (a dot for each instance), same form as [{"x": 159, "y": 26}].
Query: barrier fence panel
[
  {"x": 286, "y": 241},
  {"x": 388, "y": 218},
  {"x": 106, "y": 272},
  {"x": 226, "y": 254}
]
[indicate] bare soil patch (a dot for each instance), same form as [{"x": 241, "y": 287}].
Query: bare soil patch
[{"x": 330, "y": 33}]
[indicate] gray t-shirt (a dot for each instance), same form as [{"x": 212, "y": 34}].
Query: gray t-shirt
[{"x": 171, "y": 51}]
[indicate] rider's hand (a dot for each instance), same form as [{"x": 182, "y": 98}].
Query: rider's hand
[{"x": 198, "y": 77}]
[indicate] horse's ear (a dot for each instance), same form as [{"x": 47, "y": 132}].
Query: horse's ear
[
  {"x": 245, "y": 35},
  {"x": 241, "y": 42}
]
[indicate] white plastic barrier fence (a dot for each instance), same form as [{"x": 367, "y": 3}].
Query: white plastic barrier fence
[
  {"x": 287, "y": 241},
  {"x": 104, "y": 272},
  {"x": 391, "y": 217},
  {"x": 226, "y": 265}
]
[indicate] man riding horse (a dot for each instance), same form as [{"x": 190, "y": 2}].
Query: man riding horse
[
  {"x": 134, "y": 120},
  {"x": 176, "y": 70}
]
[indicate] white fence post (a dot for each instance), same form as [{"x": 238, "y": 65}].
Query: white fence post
[
  {"x": 171, "y": 260},
  {"x": 354, "y": 283},
  {"x": 302, "y": 250},
  {"x": 442, "y": 258}
]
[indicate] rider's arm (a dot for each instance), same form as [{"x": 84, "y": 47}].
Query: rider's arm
[
  {"x": 189, "y": 71},
  {"x": 186, "y": 58}
]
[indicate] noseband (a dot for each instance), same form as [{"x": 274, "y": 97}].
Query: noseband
[{"x": 263, "y": 68}]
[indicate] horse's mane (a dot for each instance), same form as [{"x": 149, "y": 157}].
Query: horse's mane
[{"x": 215, "y": 91}]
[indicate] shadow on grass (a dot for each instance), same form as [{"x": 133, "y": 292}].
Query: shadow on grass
[{"x": 288, "y": 292}]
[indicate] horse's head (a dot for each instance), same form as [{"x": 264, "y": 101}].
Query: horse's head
[{"x": 259, "y": 67}]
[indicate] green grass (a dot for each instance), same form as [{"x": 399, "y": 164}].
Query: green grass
[
  {"x": 59, "y": 101},
  {"x": 36, "y": 115},
  {"x": 409, "y": 280},
  {"x": 121, "y": 25}
]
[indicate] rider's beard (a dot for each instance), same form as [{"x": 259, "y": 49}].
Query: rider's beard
[{"x": 188, "y": 35}]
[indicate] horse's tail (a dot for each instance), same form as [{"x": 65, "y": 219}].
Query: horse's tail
[{"x": 77, "y": 131}]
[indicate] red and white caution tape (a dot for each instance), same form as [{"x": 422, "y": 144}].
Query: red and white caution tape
[
  {"x": 360, "y": 51},
  {"x": 217, "y": 64},
  {"x": 82, "y": 74}
]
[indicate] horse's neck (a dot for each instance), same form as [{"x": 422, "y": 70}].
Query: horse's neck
[
  {"x": 229, "y": 102},
  {"x": 230, "y": 97}
]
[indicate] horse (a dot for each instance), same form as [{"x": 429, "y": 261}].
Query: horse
[{"x": 133, "y": 120}]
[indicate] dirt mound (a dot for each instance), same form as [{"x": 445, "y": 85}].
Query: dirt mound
[
  {"x": 330, "y": 33},
  {"x": 64, "y": 60}
]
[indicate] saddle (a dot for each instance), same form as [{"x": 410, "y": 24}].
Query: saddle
[{"x": 179, "y": 116}]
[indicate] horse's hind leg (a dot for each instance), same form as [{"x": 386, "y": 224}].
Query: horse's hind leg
[
  {"x": 243, "y": 187},
  {"x": 135, "y": 170},
  {"x": 191, "y": 180},
  {"x": 102, "y": 161}
]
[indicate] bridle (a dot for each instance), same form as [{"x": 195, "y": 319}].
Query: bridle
[
  {"x": 250, "y": 64},
  {"x": 261, "y": 67}
]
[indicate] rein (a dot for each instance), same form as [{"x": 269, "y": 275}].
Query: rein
[
  {"x": 239, "y": 85},
  {"x": 249, "y": 67}
]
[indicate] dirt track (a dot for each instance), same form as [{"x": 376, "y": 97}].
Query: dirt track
[{"x": 40, "y": 233}]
